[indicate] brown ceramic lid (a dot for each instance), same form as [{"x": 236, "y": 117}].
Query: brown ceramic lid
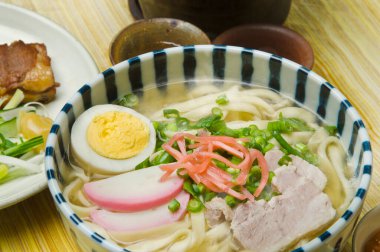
[
  {"x": 154, "y": 34},
  {"x": 270, "y": 38}
]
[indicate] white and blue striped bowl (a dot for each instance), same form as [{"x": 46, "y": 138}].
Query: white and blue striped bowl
[{"x": 219, "y": 63}]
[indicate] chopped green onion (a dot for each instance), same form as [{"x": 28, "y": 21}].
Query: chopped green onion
[
  {"x": 220, "y": 164},
  {"x": 288, "y": 125},
  {"x": 289, "y": 149},
  {"x": 201, "y": 187},
  {"x": 174, "y": 205},
  {"x": 284, "y": 160},
  {"x": 254, "y": 174},
  {"x": 24, "y": 147},
  {"x": 268, "y": 147},
  {"x": 171, "y": 127},
  {"x": 301, "y": 147},
  {"x": 260, "y": 140},
  {"x": 231, "y": 201},
  {"x": 251, "y": 187},
  {"x": 209, "y": 196},
  {"x": 217, "y": 111},
  {"x": 236, "y": 160},
  {"x": 244, "y": 132},
  {"x": 332, "y": 130},
  {"x": 194, "y": 206},
  {"x": 196, "y": 189},
  {"x": 311, "y": 158},
  {"x": 16, "y": 99},
  {"x": 171, "y": 113},
  {"x": 182, "y": 122},
  {"x": 222, "y": 100},
  {"x": 253, "y": 127},
  {"x": 5, "y": 143},
  {"x": 188, "y": 187},
  {"x": 181, "y": 174},
  {"x": 271, "y": 175},
  {"x": 129, "y": 100},
  {"x": 3, "y": 170},
  {"x": 143, "y": 164},
  {"x": 162, "y": 158},
  {"x": 207, "y": 121},
  {"x": 233, "y": 171}
]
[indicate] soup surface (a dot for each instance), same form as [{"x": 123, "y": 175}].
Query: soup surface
[{"x": 217, "y": 168}]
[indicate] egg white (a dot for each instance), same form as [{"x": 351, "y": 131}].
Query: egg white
[{"x": 89, "y": 160}]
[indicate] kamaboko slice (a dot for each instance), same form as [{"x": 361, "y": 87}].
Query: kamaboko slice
[
  {"x": 142, "y": 220},
  {"x": 134, "y": 191}
]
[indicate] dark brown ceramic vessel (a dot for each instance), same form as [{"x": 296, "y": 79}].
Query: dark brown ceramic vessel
[
  {"x": 215, "y": 16},
  {"x": 154, "y": 34},
  {"x": 270, "y": 38}
]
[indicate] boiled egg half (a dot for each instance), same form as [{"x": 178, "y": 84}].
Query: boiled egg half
[{"x": 111, "y": 139}]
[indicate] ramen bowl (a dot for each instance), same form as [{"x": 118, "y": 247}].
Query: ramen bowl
[{"x": 217, "y": 65}]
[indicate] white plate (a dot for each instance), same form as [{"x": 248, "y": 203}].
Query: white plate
[{"x": 72, "y": 66}]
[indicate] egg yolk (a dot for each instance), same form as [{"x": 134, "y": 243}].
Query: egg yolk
[{"x": 117, "y": 135}]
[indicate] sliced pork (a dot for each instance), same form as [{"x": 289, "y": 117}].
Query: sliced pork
[
  {"x": 272, "y": 157},
  {"x": 302, "y": 167},
  {"x": 217, "y": 211},
  {"x": 284, "y": 220},
  {"x": 301, "y": 209}
]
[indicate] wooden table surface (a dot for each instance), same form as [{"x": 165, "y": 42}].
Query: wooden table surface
[{"x": 345, "y": 36}]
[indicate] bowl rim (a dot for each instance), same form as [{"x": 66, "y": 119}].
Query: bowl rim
[{"x": 353, "y": 208}]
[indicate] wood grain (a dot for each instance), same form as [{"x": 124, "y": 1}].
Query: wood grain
[{"x": 345, "y": 36}]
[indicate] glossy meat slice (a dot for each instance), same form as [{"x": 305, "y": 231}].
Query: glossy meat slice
[
  {"x": 302, "y": 167},
  {"x": 217, "y": 211},
  {"x": 27, "y": 67},
  {"x": 301, "y": 210}
]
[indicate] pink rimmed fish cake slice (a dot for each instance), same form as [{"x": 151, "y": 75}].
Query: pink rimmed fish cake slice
[
  {"x": 133, "y": 191},
  {"x": 143, "y": 220}
]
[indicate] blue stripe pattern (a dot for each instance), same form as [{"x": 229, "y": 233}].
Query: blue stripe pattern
[
  {"x": 367, "y": 169},
  {"x": 366, "y": 146},
  {"x": 189, "y": 65},
  {"x": 347, "y": 214},
  {"x": 325, "y": 235},
  {"x": 218, "y": 63},
  {"x": 275, "y": 63},
  {"x": 354, "y": 136},
  {"x": 110, "y": 83},
  {"x": 97, "y": 237},
  {"x": 135, "y": 75},
  {"x": 75, "y": 219},
  {"x": 49, "y": 151},
  {"x": 54, "y": 128},
  {"x": 160, "y": 69},
  {"x": 247, "y": 66},
  {"x": 360, "y": 193},
  {"x": 85, "y": 91},
  {"x": 300, "y": 94},
  {"x": 59, "y": 198},
  {"x": 50, "y": 174},
  {"x": 341, "y": 118},
  {"x": 323, "y": 98}
]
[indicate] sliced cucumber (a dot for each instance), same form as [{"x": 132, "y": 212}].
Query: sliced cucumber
[
  {"x": 9, "y": 128},
  {"x": 16, "y": 99}
]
